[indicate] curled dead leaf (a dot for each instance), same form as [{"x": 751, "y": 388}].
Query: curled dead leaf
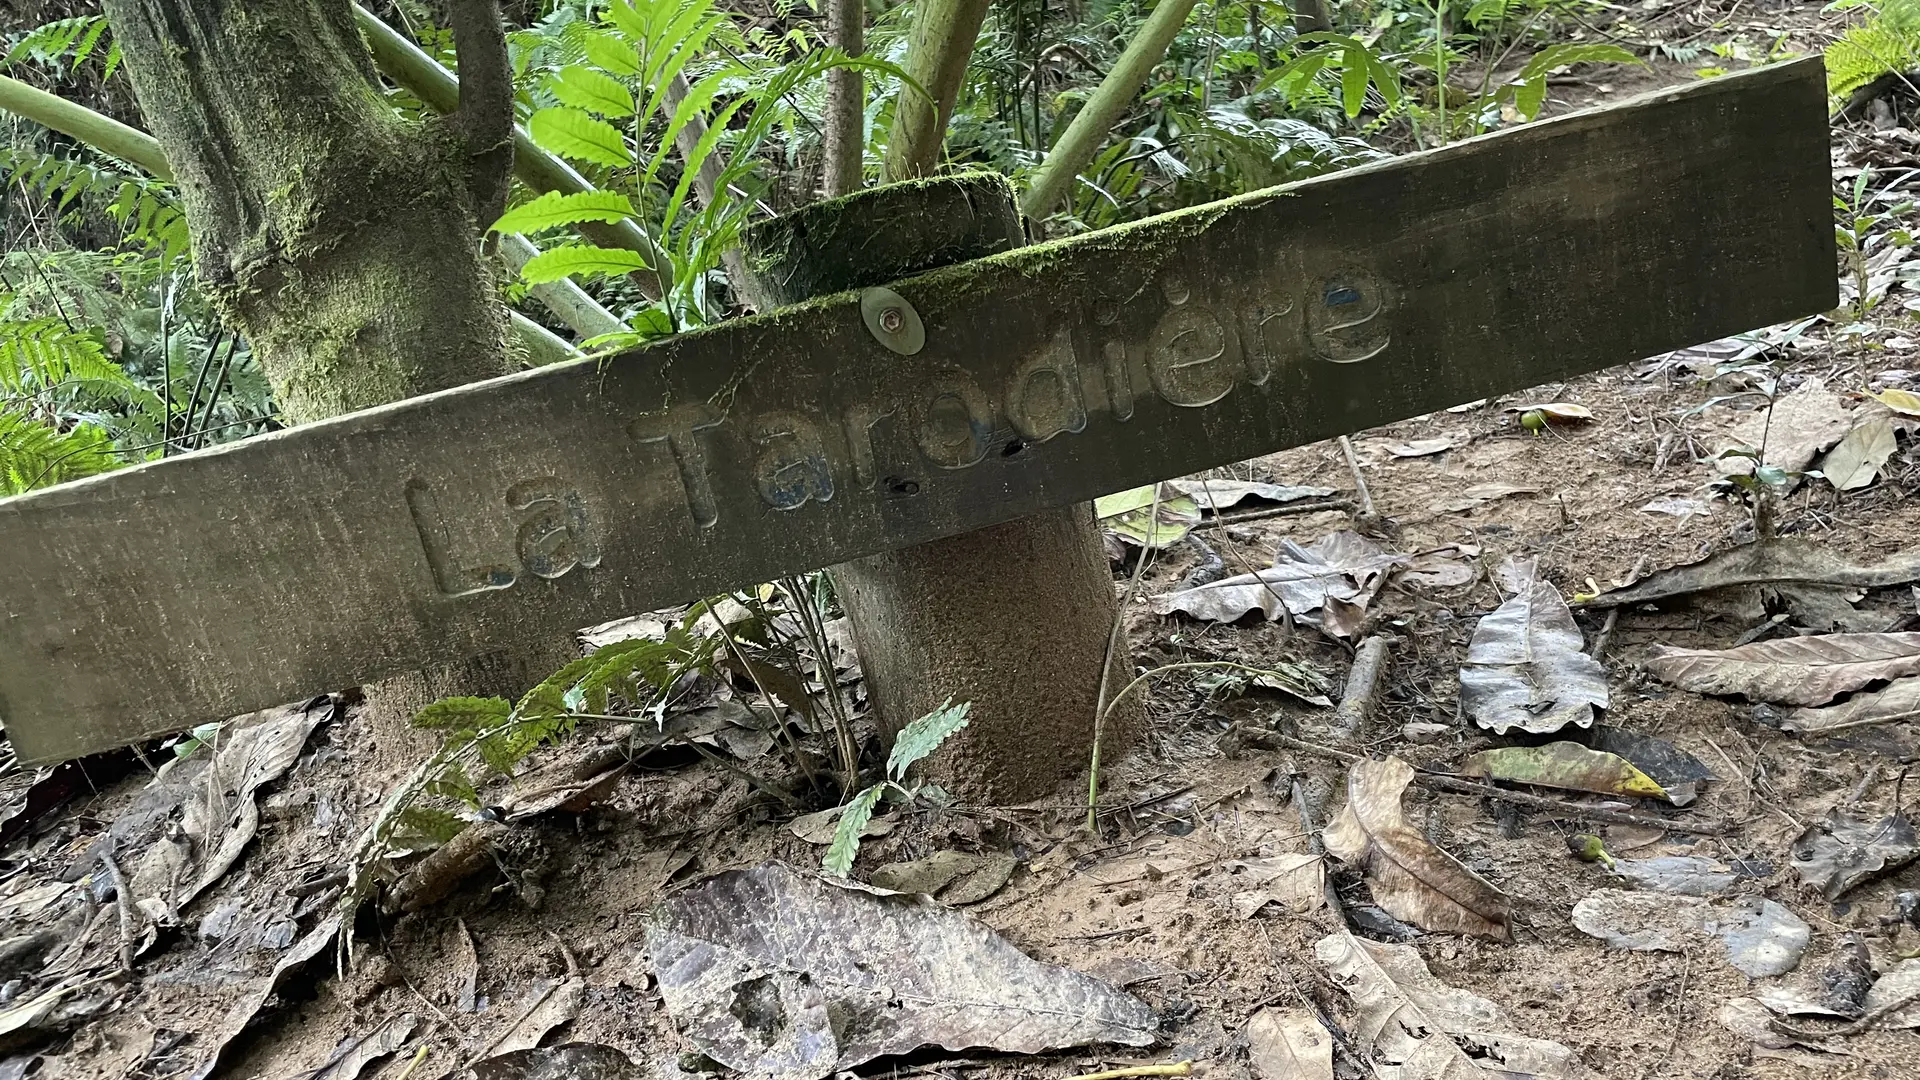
[
  {"x": 1564, "y": 765},
  {"x": 1412, "y": 880},
  {"x": 1790, "y": 671},
  {"x": 1525, "y": 666}
]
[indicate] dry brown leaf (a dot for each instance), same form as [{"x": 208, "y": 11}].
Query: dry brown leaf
[
  {"x": 557, "y": 1004},
  {"x": 786, "y": 976},
  {"x": 1802, "y": 424},
  {"x": 1419, "y": 1028},
  {"x": 218, "y": 816},
  {"x": 1218, "y": 495},
  {"x": 1327, "y": 583},
  {"x": 352, "y": 1059},
  {"x": 1790, "y": 671},
  {"x": 1768, "y": 562},
  {"x": 1289, "y": 1044},
  {"x": 1900, "y": 700},
  {"x": 1412, "y": 880},
  {"x": 1525, "y": 667},
  {"x": 1857, "y": 459}
]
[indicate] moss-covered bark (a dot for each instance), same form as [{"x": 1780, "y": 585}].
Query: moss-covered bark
[
  {"x": 338, "y": 236},
  {"x": 341, "y": 238}
]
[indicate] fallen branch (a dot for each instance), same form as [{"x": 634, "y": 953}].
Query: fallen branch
[
  {"x": 1314, "y": 506},
  {"x": 1363, "y": 687},
  {"x": 1443, "y": 782},
  {"x": 124, "y": 905}
]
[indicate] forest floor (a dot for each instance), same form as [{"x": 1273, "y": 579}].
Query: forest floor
[{"x": 1190, "y": 894}]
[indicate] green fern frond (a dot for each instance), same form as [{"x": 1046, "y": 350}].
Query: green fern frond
[
  {"x": 1888, "y": 42},
  {"x": 35, "y": 454}
]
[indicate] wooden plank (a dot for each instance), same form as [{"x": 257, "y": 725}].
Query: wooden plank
[{"x": 143, "y": 601}]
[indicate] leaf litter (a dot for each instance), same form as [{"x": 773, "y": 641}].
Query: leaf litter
[
  {"x": 1525, "y": 668},
  {"x": 1790, "y": 671},
  {"x": 785, "y": 975}
]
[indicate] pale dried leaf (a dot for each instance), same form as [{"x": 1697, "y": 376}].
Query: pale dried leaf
[
  {"x": 1295, "y": 881},
  {"x": 1419, "y": 448},
  {"x": 1445, "y": 567},
  {"x": 1857, "y": 459},
  {"x": 218, "y": 815},
  {"x": 1904, "y": 402},
  {"x": 352, "y": 1059},
  {"x": 1412, "y": 880},
  {"x": 1899, "y": 983},
  {"x": 1560, "y": 412},
  {"x": 1525, "y": 667},
  {"x": 1803, "y": 423},
  {"x": 751, "y": 963},
  {"x": 1677, "y": 506},
  {"x": 955, "y": 878},
  {"x": 1761, "y": 938},
  {"x": 1768, "y": 562},
  {"x": 1289, "y": 1044},
  {"x": 1218, "y": 495},
  {"x": 1687, "y": 875},
  {"x": 1748, "y": 1018},
  {"x": 1790, "y": 671},
  {"x": 1899, "y": 700},
  {"x": 1847, "y": 848},
  {"x": 1327, "y": 583},
  {"x": 1419, "y": 1028},
  {"x": 555, "y": 1004}
]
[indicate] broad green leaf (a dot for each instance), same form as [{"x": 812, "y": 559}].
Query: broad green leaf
[
  {"x": 586, "y": 260},
  {"x": 1562, "y": 55},
  {"x": 1529, "y": 96},
  {"x": 457, "y": 713},
  {"x": 573, "y": 134},
  {"x": 1566, "y": 765},
  {"x": 595, "y": 91},
  {"x": 610, "y": 54},
  {"x": 846, "y": 836},
  {"x": 924, "y": 736},
  {"x": 1130, "y": 514},
  {"x": 554, "y": 208},
  {"x": 1353, "y": 85}
]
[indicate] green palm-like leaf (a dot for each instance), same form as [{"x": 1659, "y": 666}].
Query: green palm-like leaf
[
  {"x": 554, "y": 208},
  {"x": 924, "y": 736},
  {"x": 586, "y": 260},
  {"x": 572, "y": 133},
  {"x": 846, "y": 835},
  {"x": 595, "y": 91},
  {"x": 610, "y": 54}
]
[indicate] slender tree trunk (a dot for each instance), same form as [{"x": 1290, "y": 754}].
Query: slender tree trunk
[
  {"x": 342, "y": 239},
  {"x": 846, "y": 119},
  {"x": 1015, "y": 619}
]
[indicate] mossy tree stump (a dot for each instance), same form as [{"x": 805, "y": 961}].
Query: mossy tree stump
[{"x": 1014, "y": 618}]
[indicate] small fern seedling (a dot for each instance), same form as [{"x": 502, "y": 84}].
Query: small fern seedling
[{"x": 915, "y": 741}]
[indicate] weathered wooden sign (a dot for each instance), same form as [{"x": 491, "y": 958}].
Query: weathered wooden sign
[{"x": 143, "y": 601}]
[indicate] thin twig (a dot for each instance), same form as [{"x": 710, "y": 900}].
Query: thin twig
[
  {"x": 124, "y": 904},
  {"x": 1116, "y": 641},
  {"x": 1443, "y": 782},
  {"x": 1178, "y": 1068},
  {"x": 1315, "y": 506},
  {"x": 1359, "y": 482}
]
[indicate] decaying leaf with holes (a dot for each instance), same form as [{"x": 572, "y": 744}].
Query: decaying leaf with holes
[
  {"x": 1419, "y": 1028},
  {"x": 786, "y": 976},
  {"x": 1133, "y": 516},
  {"x": 1412, "y": 880},
  {"x": 1846, "y": 849},
  {"x": 1790, "y": 671},
  {"x": 1566, "y": 765},
  {"x": 1525, "y": 668}
]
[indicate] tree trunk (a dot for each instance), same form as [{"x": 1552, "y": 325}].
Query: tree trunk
[
  {"x": 342, "y": 239},
  {"x": 1014, "y": 618}
]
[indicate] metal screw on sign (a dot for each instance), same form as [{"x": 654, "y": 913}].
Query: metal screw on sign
[{"x": 892, "y": 321}]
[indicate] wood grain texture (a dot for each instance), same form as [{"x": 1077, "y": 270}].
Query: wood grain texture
[{"x": 143, "y": 601}]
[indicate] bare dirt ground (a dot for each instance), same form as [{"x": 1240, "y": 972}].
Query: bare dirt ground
[{"x": 1154, "y": 902}]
